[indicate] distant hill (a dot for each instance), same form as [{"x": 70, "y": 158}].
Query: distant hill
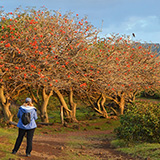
[{"x": 156, "y": 46}]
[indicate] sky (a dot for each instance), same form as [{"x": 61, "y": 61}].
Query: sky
[{"x": 141, "y": 17}]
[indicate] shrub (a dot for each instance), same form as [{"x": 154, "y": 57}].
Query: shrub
[
  {"x": 150, "y": 94},
  {"x": 141, "y": 122}
]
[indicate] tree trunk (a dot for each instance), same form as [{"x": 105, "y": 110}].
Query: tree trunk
[
  {"x": 7, "y": 114},
  {"x": 132, "y": 97},
  {"x": 67, "y": 112},
  {"x": 62, "y": 118},
  {"x": 99, "y": 105},
  {"x": 43, "y": 109},
  {"x": 98, "y": 102},
  {"x": 122, "y": 104},
  {"x": 73, "y": 106},
  {"x": 5, "y": 105},
  {"x": 105, "y": 114}
]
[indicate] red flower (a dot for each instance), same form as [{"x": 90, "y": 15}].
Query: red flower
[
  {"x": 84, "y": 84},
  {"x": 16, "y": 67},
  {"x": 7, "y": 45}
]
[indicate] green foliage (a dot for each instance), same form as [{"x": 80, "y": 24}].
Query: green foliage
[
  {"x": 150, "y": 94},
  {"x": 141, "y": 122}
]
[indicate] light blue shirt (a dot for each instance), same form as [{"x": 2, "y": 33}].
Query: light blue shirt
[{"x": 32, "y": 111}]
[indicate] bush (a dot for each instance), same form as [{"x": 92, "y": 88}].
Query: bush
[
  {"x": 150, "y": 94},
  {"x": 141, "y": 122}
]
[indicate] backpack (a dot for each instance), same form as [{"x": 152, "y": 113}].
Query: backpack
[{"x": 26, "y": 118}]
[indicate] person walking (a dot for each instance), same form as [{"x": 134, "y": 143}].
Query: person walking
[{"x": 27, "y": 115}]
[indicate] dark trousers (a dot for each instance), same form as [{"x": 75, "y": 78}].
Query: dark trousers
[{"x": 21, "y": 134}]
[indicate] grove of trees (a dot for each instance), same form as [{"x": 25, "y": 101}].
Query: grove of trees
[{"x": 44, "y": 53}]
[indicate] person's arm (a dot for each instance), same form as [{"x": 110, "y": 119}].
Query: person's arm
[{"x": 35, "y": 115}]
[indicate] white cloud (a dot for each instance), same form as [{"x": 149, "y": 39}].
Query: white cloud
[
  {"x": 145, "y": 28},
  {"x": 150, "y": 24}
]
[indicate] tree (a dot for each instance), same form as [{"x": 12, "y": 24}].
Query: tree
[
  {"x": 121, "y": 68},
  {"x": 46, "y": 46}
]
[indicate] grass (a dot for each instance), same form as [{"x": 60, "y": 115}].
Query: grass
[
  {"x": 7, "y": 140},
  {"x": 88, "y": 120},
  {"x": 151, "y": 100},
  {"x": 145, "y": 150}
]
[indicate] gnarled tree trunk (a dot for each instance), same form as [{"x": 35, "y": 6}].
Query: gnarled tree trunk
[
  {"x": 119, "y": 99},
  {"x": 73, "y": 106},
  {"x": 105, "y": 114},
  {"x": 99, "y": 105},
  {"x": 69, "y": 116},
  {"x": 122, "y": 104},
  {"x": 5, "y": 105},
  {"x": 43, "y": 107}
]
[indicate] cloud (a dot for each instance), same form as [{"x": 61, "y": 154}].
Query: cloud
[
  {"x": 149, "y": 24},
  {"x": 145, "y": 28}
]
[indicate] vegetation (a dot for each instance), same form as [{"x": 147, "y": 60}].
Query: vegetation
[
  {"x": 49, "y": 54},
  {"x": 73, "y": 75},
  {"x": 141, "y": 122},
  {"x": 143, "y": 150}
]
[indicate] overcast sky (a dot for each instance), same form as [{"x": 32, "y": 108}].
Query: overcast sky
[{"x": 141, "y": 17}]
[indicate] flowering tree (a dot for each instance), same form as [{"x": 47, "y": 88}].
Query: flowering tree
[
  {"x": 45, "y": 47},
  {"x": 49, "y": 53},
  {"x": 124, "y": 68},
  {"x": 9, "y": 89}
]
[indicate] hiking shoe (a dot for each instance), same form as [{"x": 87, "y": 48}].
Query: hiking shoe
[
  {"x": 28, "y": 155},
  {"x": 14, "y": 152}
]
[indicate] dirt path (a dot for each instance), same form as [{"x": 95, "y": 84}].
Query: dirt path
[{"x": 51, "y": 147}]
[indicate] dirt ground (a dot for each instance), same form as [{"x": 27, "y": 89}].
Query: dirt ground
[{"x": 53, "y": 147}]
